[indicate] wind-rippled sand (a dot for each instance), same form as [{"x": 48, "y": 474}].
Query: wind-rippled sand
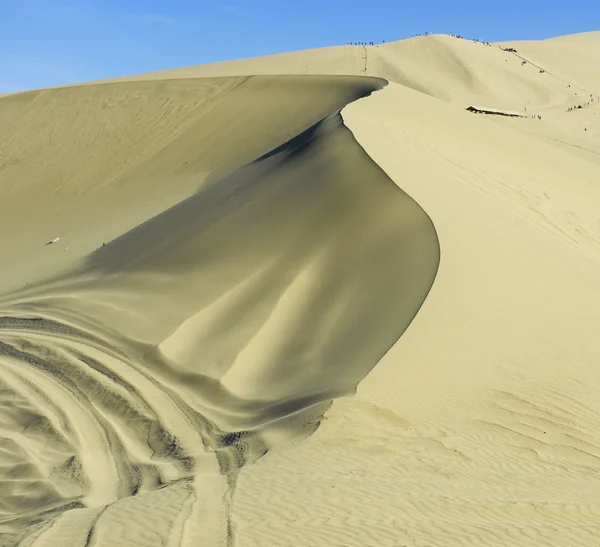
[{"x": 194, "y": 361}]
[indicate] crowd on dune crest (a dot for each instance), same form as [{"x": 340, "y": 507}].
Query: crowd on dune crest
[
  {"x": 372, "y": 43},
  {"x": 476, "y": 40}
]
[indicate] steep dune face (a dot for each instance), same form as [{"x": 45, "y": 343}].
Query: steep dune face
[{"x": 218, "y": 329}]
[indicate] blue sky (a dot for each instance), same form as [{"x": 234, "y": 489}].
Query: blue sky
[{"x": 51, "y": 42}]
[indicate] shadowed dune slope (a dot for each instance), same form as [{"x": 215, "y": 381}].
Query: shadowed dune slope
[
  {"x": 212, "y": 332},
  {"x": 88, "y": 163}
]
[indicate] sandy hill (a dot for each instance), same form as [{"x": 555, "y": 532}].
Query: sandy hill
[
  {"x": 306, "y": 299},
  {"x": 450, "y": 69}
]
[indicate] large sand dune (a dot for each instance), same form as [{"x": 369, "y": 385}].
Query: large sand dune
[{"x": 307, "y": 327}]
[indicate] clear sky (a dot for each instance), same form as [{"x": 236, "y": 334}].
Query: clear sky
[{"x": 51, "y": 42}]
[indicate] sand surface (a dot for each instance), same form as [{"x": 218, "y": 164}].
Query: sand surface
[{"x": 297, "y": 302}]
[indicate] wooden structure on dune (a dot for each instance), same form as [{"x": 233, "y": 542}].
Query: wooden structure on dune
[{"x": 495, "y": 112}]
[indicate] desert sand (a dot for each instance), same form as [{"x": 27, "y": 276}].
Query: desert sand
[{"x": 306, "y": 300}]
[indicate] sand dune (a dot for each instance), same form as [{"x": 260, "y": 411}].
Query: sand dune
[
  {"x": 307, "y": 327},
  {"x": 140, "y": 390}
]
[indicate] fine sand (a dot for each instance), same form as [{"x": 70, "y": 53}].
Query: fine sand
[{"x": 306, "y": 300}]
